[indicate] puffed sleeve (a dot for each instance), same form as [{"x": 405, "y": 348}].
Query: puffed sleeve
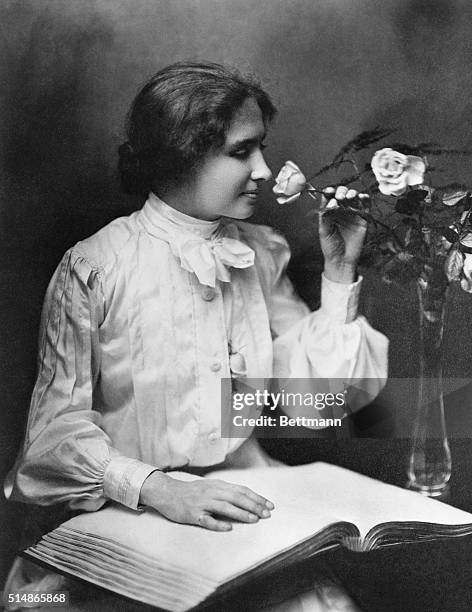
[
  {"x": 66, "y": 456},
  {"x": 333, "y": 342}
]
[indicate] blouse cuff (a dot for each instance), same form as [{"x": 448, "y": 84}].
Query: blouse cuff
[
  {"x": 339, "y": 301},
  {"x": 123, "y": 480}
]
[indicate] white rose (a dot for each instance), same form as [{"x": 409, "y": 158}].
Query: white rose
[
  {"x": 289, "y": 184},
  {"x": 395, "y": 172}
]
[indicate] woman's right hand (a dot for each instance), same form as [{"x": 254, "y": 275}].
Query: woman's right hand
[{"x": 203, "y": 502}]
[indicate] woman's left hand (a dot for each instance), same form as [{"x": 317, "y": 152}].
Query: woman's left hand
[{"x": 342, "y": 234}]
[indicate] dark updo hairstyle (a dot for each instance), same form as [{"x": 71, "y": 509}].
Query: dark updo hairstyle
[{"x": 182, "y": 113}]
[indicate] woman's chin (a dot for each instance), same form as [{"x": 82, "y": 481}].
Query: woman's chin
[{"x": 243, "y": 211}]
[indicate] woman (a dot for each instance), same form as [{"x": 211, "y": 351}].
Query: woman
[{"x": 143, "y": 319}]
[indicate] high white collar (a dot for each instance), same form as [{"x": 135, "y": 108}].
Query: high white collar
[{"x": 156, "y": 210}]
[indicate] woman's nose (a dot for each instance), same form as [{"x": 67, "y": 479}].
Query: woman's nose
[{"x": 260, "y": 171}]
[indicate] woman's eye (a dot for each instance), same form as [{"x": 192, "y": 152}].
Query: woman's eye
[
  {"x": 241, "y": 153},
  {"x": 246, "y": 152}
]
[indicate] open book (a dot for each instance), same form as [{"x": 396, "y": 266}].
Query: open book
[{"x": 145, "y": 557}]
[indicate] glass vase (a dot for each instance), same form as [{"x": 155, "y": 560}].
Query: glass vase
[{"x": 429, "y": 468}]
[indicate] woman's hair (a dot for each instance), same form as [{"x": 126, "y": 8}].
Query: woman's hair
[{"x": 180, "y": 114}]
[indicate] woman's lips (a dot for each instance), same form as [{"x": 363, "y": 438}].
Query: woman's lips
[{"x": 251, "y": 194}]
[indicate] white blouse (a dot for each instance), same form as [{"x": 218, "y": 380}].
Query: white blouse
[{"x": 133, "y": 347}]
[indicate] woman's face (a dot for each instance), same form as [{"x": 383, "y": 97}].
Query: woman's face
[{"x": 227, "y": 183}]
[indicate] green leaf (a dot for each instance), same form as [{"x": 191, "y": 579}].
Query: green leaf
[
  {"x": 450, "y": 234},
  {"x": 465, "y": 249},
  {"x": 415, "y": 196},
  {"x": 405, "y": 207}
]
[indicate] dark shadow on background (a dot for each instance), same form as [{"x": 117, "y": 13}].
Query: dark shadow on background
[{"x": 56, "y": 190}]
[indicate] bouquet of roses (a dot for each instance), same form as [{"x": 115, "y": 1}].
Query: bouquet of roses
[{"x": 417, "y": 227}]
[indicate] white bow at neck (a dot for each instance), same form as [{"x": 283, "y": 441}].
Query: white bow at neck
[{"x": 206, "y": 248}]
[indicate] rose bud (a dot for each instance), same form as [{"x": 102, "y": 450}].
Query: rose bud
[{"x": 289, "y": 184}]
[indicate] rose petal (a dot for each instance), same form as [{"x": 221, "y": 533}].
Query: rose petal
[
  {"x": 292, "y": 165},
  {"x": 394, "y": 171},
  {"x": 415, "y": 170},
  {"x": 296, "y": 184},
  {"x": 288, "y": 199},
  {"x": 396, "y": 188},
  {"x": 280, "y": 187},
  {"x": 287, "y": 169},
  {"x": 388, "y": 162},
  {"x": 290, "y": 180}
]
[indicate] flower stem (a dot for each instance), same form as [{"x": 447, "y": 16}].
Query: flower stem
[{"x": 311, "y": 189}]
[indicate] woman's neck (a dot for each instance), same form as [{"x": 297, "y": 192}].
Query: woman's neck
[
  {"x": 158, "y": 211},
  {"x": 182, "y": 198}
]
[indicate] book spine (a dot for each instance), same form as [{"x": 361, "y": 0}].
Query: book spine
[{"x": 354, "y": 543}]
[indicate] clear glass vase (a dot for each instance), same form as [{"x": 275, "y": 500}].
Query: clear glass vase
[{"x": 429, "y": 467}]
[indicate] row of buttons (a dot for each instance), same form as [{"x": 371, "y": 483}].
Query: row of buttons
[{"x": 209, "y": 294}]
